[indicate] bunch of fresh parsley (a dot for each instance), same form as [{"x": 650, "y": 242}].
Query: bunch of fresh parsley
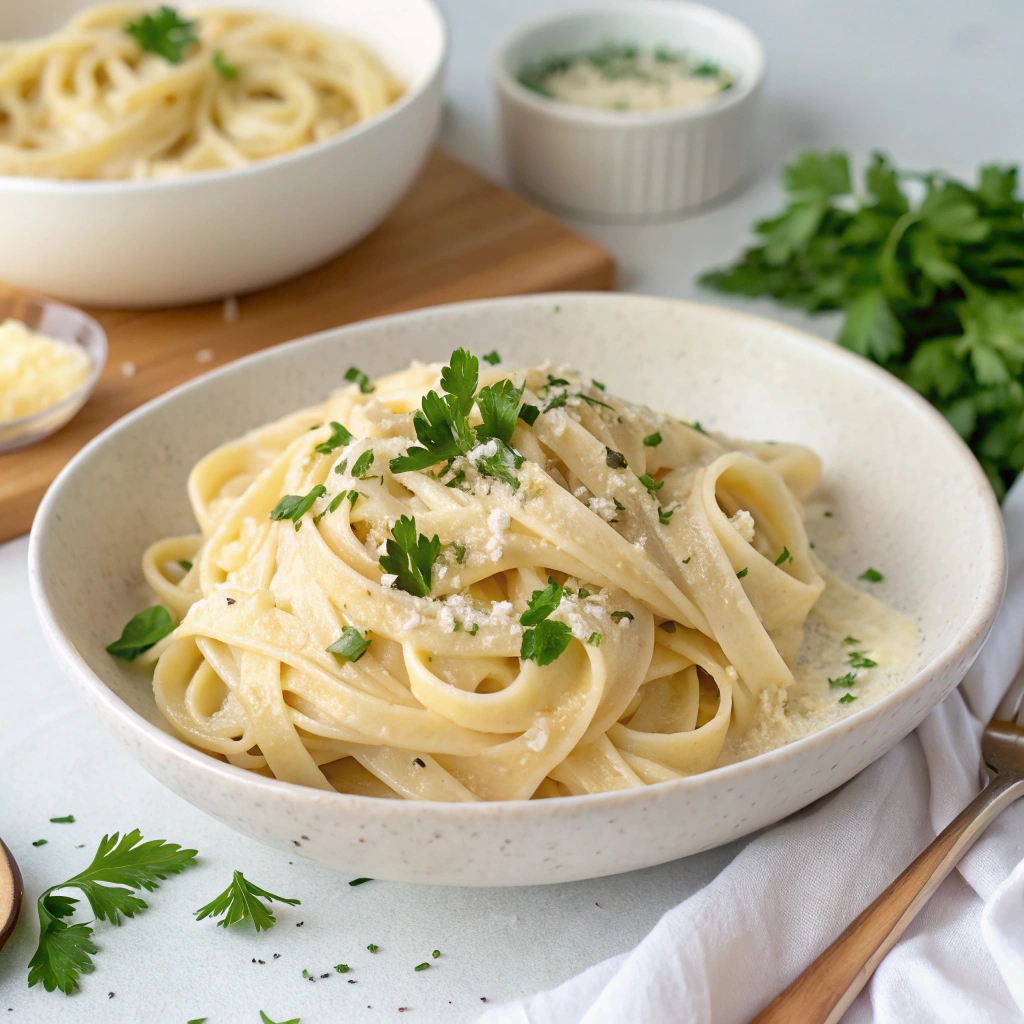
[{"x": 930, "y": 273}]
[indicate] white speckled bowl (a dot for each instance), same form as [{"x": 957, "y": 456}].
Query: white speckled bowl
[{"x": 903, "y": 486}]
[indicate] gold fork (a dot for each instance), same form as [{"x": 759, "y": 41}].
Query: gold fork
[{"x": 823, "y": 993}]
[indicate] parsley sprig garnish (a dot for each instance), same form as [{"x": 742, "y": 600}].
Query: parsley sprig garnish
[
  {"x": 546, "y": 639},
  {"x": 242, "y": 901},
  {"x": 295, "y": 506},
  {"x": 443, "y": 430},
  {"x": 410, "y": 557},
  {"x": 122, "y": 864},
  {"x": 141, "y": 632},
  {"x": 340, "y": 437},
  {"x": 931, "y": 284},
  {"x": 164, "y": 32}
]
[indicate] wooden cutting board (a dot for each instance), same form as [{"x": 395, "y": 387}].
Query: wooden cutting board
[{"x": 454, "y": 236}]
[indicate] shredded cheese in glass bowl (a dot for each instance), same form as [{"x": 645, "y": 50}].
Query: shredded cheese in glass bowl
[{"x": 51, "y": 356}]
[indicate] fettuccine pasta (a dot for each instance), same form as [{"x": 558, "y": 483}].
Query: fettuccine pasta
[
  {"x": 429, "y": 589},
  {"x": 125, "y": 92}
]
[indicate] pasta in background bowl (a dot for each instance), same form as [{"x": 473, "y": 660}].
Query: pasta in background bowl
[
  {"x": 734, "y": 374},
  {"x": 260, "y": 139}
]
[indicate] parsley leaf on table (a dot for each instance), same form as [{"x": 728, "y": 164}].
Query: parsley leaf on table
[
  {"x": 932, "y": 287},
  {"x": 121, "y": 865},
  {"x": 264, "y": 1019},
  {"x": 141, "y": 632},
  {"x": 242, "y": 901},
  {"x": 163, "y": 32},
  {"x": 410, "y": 557}
]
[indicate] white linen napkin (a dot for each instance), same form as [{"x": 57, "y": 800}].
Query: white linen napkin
[{"x": 722, "y": 954}]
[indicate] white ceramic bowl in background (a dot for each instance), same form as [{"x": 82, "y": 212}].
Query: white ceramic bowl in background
[
  {"x": 887, "y": 455},
  {"x": 62, "y": 323},
  {"x": 622, "y": 165},
  {"x": 218, "y": 233}
]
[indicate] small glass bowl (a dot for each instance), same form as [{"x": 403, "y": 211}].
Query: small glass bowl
[{"x": 62, "y": 323}]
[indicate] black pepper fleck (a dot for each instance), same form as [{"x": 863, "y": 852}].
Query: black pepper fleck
[
  {"x": 299, "y": 924},
  {"x": 420, "y": 762},
  {"x": 231, "y": 600}
]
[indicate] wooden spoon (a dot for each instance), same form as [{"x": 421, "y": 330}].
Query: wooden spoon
[{"x": 11, "y": 890}]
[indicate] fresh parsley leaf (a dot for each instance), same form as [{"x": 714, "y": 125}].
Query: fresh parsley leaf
[
  {"x": 502, "y": 464},
  {"x": 871, "y": 575},
  {"x": 783, "y": 557},
  {"x": 859, "y": 660},
  {"x": 653, "y": 440},
  {"x": 295, "y": 506},
  {"x": 459, "y": 379},
  {"x": 492, "y": 357},
  {"x": 242, "y": 901},
  {"x": 741, "y": 573},
  {"x": 410, "y": 557},
  {"x": 352, "y": 496},
  {"x": 224, "y": 68},
  {"x": 665, "y": 514},
  {"x": 141, "y": 632},
  {"x": 443, "y": 432},
  {"x": 528, "y": 414},
  {"x": 594, "y": 639},
  {"x": 848, "y": 680},
  {"x": 542, "y": 603},
  {"x": 163, "y": 32},
  {"x": 545, "y": 642},
  {"x": 67, "y": 819},
  {"x": 499, "y": 409},
  {"x": 340, "y": 437},
  {"x": 614, "y": 459},
  {"x": 185, "y": 564},
  {"x": 121, "y": 865},
  {"x": 362, "y": 465},
  {"x": 356, "y": 376},
  {"x": 351, "y": 645},
  {"x": 847, "y": 698}
]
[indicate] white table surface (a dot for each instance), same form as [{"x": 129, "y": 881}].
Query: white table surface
[{"x": 935, "y": 84}]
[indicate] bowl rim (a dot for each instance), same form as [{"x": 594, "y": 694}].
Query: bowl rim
[
  {"x": 21, "y": 183},
  {"x": 683, "y": 11},
  {"x": 967, "y": 640},
  {"x": 73, "y": 402}
]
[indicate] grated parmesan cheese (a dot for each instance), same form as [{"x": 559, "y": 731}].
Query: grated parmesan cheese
[{"x": 36, "y": 372}]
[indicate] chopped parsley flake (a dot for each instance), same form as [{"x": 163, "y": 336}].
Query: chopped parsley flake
[
  {"x": 783, "y": 557},
  {"x": 360, "y": 881},
  {"x": 619, "y": 507},
  {"x": 67, "y": 819},
  {"x": 224, "y": 67},
  {"x": 614, "y": 459},
  {"x": 847, "y": 698},
  {"x": 528, "y": 414},
  {"x": 858, "y": 660},
  {"x": 351, "y": 645},
  {"x": 851, "y": 640},
  {"x": 872, "y": 576},
  {"x": 664, "y": 515},
  {"x": 185, "y": 564},
  {"x": 653, "y": 440},
  {"x": 356, "y": 376},
  {"x": 372, "y": 948},
  {"x": 295, "y": 506},
  {"x": 340, "y": 436},
  {"x": 492, "y": 357},
  {"x": 651, "y": 484},
  {"x": 669, "y": 627},
  {"x": 353, "y": 497},
  {"x": 846, "y": 681},
  {"x": 422, "y": 967},
  {"x": 741, "y": 574},
  {"x": 342, "y": 968},
  {"x": 362, "y": 465},
  {"x": 594, "y": 640},
  {"x": 620, "y": 615},
  {"x": 695, "y": 425},
  {"x": 39, "y": 842},
  {"x": 597, "y": 384},
  {"x": 436, "y": 953}
]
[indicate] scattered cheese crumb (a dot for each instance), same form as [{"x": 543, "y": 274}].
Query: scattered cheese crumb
[
  {"x": 204, "y": 355},
  {"x": 743, "y": 523},
  {"x": 230, "y": 311},
  {"x": 389, "y": 579},
  {"x": 604, "y": 507},
  {"x": 127, "y": 368}
]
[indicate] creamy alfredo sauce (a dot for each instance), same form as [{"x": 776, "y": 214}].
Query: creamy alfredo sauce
[
  {"x": 628, "y": 78},
  {"x": 843, "y": 614}
]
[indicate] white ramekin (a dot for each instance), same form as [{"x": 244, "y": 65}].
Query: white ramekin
[
  {"x": 219, "y": 233},
  {"x": 631, "y": 166}
]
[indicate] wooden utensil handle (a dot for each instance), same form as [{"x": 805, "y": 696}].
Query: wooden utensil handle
[{"x": 823, "y": 993}]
